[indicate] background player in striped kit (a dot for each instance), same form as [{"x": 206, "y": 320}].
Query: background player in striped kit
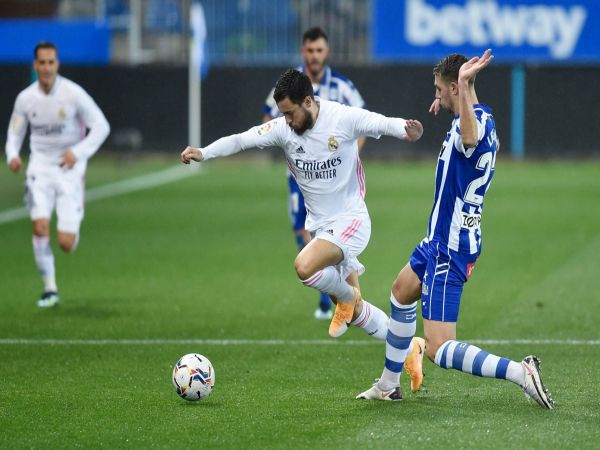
[
  {"x": 328, "y": 84},
  {"x": 58, "y": 112},
  {"x": 444, "y": 260}
]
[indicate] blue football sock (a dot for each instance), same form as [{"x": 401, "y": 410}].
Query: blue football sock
[{"x": 324, "y": 302}]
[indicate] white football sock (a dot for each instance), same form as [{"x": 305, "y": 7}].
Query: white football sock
[
  {"x": 44, "y": 259},
  {"x": 330, "y": 281},
  {"x": 373, "y": 320}
]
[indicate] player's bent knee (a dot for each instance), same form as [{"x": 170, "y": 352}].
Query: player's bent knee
[
  {"x": 303, "y": 269},
  {"x": 431, "y": 350},
  {"x": 406, "y": 290},
  {"x": 67, "y": 242},
  {"x": 432, "y": 345},
  {"x": 41, "y": 228}
]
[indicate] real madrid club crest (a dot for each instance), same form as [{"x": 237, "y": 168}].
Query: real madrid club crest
[
  {"x": 62, "y": 114},
  {"x": 332, "y": 144}
]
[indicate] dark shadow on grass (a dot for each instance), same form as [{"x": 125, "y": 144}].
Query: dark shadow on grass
[
  {"x": 201, "y": 404},
  {"x": 89, "y": 309}
]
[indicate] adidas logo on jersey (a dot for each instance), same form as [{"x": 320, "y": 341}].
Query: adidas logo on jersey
[{"x": 300, "y": 150}]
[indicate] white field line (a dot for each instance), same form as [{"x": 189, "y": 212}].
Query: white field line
[
  {"x": 138, "y": 183},
  {"x": 272, "y": 342}
]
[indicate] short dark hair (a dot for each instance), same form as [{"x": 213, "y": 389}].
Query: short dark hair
[
  {"x": 314, "y": 33},
  {"x": 448, "y": 67},
  {"x": 295, "y": 85},
  {"x": 43, "y": 44}
]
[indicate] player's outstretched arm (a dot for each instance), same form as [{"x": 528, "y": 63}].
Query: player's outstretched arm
[
  {"x": 191, "y": 154},
  {"x": 414, "y": 130},
  {"x": 467, "y": 96}
]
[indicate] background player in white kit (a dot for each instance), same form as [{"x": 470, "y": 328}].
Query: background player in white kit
[
  {"x": 443, "y": 262},
  {"x": 328, "y": 84},
  {"x": 319, "y": 139},
  {"x": 58, "y": 112}
]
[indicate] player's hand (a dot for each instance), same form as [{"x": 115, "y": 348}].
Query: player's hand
[
  {"x": 475, "y": 65},
  {"x": 435, "y": 106},
  {"x": 69, "y": 159},
  {"x": 414, "y": 130},
  {"x": 15, "y": 164},
  {"x": 191, "y": 154}
]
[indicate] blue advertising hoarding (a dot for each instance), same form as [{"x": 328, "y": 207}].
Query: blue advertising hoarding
[
  {"x": 546, "y": 31},
  {"x": 78, "y": 41}
]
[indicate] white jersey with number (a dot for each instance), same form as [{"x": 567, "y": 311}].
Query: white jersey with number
[
  {"x": 324, "y": 159},
  {"x": 58, "y": 121}
]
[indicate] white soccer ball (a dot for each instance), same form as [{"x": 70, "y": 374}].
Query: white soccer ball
[{"x": 193, "y": 377}]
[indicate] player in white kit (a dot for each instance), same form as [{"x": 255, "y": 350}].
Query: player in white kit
[
  {"x": 328, "y": 84},
  {"x": 319, "y": 139},
  {"x": 58, "y": 112}
]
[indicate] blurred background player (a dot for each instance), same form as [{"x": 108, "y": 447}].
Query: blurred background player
[
  {"x": 443, "y": 262},
  {"x": 58, "y": 112},
  {"x": 328, "y": 85}
]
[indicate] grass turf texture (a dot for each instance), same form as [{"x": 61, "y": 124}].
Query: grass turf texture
[{"x": 210, "y": 257}]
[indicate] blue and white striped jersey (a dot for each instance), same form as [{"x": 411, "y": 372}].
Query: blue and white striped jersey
[
  {"x": 333, "y": 87},
  {"x": 462, "y": 178}
]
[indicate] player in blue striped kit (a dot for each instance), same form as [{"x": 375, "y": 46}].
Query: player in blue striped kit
[
  {"x": 328, "y": 84},
  {"x": 444, "y": 260}
]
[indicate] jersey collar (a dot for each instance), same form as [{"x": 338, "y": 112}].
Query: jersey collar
[{"x": 54, "y": 88}]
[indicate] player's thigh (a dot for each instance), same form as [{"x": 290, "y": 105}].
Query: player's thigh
[
  {"x": 317, "y": 255},
  {"x": 351, "y": 234},
  {"x": 70, "y": 204},
  {"x": 443, "y": 284},
  {"x": 436, "y": 333},
  {"x": 40, "y": 198}
]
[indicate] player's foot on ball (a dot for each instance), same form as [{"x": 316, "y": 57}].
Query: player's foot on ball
[
  {"x": 323, "y": 315},
  {"x": 343, "y": 315},
  {"x": 48, "y": 300},
  {"x": 374, "y": 393},
  {"x": 414, "y": 364},
  {"x": 534, "y": 387}
]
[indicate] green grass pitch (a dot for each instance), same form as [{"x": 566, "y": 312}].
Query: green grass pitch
[{"x": 210, "y": 257}]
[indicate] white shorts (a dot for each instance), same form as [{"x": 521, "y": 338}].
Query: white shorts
[
  {"x": 351, "y": 234},
  {"x": 62, "y": 190}
]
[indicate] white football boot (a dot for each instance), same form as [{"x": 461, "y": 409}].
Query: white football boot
[
  {"x": 374, "y": 393},
  {"x": 534, "y": 387}
]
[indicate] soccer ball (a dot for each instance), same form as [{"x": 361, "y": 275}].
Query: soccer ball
[{"x": 193, "y": 377}]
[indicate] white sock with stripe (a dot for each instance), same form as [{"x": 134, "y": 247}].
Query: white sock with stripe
[
  {"x": 44, "y": 259},
  {"x": 471, "y": 359},
  {"x": 401, "y": 329},
  {"x": 373, "y": 320},
  {"x": 330, "y": 281}
]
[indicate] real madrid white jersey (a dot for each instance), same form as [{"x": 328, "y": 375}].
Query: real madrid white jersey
[
  {"x": 324, "y": 159},
  {"x": 58, "y": 120},
  {"x": 463, "y": 176}
]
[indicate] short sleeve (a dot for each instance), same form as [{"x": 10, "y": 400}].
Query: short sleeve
[{"x": 480, "y": 119}]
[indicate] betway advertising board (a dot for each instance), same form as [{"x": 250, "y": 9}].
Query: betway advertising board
[{"x": 551, "y": 31}]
